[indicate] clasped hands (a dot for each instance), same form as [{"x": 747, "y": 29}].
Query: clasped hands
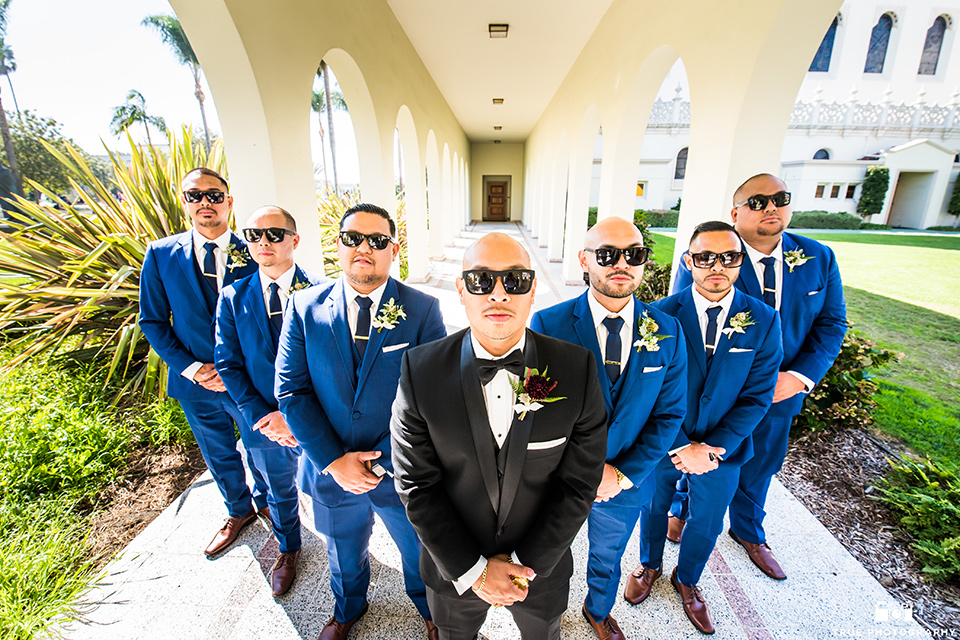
[
  {"x": 698, "y": 458},
  {"x": 497, "y": 586},
  {"x": 208, "y": 378},
  {"x": 275, "y": 427},
  {"x": 352, "y": 471}
]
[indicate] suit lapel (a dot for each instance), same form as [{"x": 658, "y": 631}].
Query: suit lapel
[
  {"x": 375, "y": 343},
  {"x": 519, "y": 439},
  {"x": 337, "y": 312},
  {"x": 748, "y": 281},
  {"x": 254, "y": 295},
  {"x": 587, "y": 334},
  {"x": 232, "y": 275},
  {"x": 186, "y": 260},
  {"x": 687, "y": 314},
  {"x": 479, "y": 424},
  {"x": 790, "y": 280},
  {"x": 725, "y": 341}
]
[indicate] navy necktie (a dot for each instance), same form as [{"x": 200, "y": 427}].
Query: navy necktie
[
  {"x": 611, "y": 356},
  {"x": 276, "y": 307},
  {"x": 487, "y": 369},
  {"x": 362, "y": 334},
  {"x": 711, "y": 340},
  {"x": 769, "y": 281},
  {"x": 210, "y": 267}
]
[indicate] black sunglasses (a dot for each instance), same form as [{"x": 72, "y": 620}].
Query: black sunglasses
[
  {"x": 516, "y": 282},
  {"x": 274, "y": 234},
  {"x": 377, "y": 241},
  {"x": 214, "y": 196},
  {"x": 759, "y": 201},
  {"x": 610, "y": 256},
  {"x": 728, "y": 259}
]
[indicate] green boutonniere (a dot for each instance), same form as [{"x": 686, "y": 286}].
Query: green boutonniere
[
  {"x": 533, "y": 392},
  {"x": 237, "y": 257},
  {"x": 738, "y": 323},
  {"x": 390, "y": 316},
  {"x": 649, "y": 339},
  {"x": 796, "y": 258}
]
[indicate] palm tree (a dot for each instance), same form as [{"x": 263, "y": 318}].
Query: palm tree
[
  {"x": 131, "y": 112},
  {"x": 8, "y": 64},
  {"x": 319, "y": 104},
  {"x": 328, "y": 101},
  {"x": 171, "y": 32}
]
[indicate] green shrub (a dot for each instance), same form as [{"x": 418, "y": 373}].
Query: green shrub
[
  {"x": 591, "y": 217},
  {"x": 657, "y": 217},
  {"x": 656, "y": 282},
  {"x": 944, "y": 228},
  {"x": 824, "y": 220},
  {"x": 953, "y": 207},
  {"x": 926, "y": 497},
  {"x": 873, "y": 191},
  {"x": 873, "y": 226},
  {"x": 844, "y": 397}
]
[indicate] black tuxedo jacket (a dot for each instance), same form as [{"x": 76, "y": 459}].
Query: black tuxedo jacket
[{"x": 445, "y": 460}]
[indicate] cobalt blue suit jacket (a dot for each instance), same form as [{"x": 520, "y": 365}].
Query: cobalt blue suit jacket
[
  {"x": 651, "y": 399},
  {"x": 246, "y": 350},
  {"x": 813, "y": 314},
  {"x": 728, "y": 398},
  {"x": 173, "y": 311},
  {"x": 329, "y": 406}
]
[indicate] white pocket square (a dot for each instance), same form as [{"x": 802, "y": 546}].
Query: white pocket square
[
  {"x": 394, "y": 347},
  {"x": 546, "y": 444},
  {"x": 813, "y": 293},
  {"x": 736, "y": 350},
  {"x": 652, "y": 369}
]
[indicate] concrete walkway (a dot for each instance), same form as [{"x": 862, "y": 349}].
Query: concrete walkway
[{"x": 162, "y": 586}]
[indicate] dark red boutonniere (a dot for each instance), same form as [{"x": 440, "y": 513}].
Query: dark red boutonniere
[{"x": 533, "y": 392}]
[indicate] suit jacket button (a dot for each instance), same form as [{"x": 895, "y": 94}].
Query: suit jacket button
[
  {"x": 704, "y": 400},
  {"x": 356, "y": 414}
]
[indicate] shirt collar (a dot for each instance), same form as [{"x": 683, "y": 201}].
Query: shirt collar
[
  {"x": 703, "y": 304},
  {"x": 285, "y": 281},
  {"x": 600, "y": 313},
  {"x": 375, "y": 295},
  {"x": 756, "y": 256},
  {"x": 222, "y": 241},
  {"x": 480, "y": 352}
]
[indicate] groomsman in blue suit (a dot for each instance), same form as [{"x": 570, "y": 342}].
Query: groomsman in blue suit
[
  {"x": 181, "y": 279},
  {"x": 249, "y": 319},
  {"x": 337, "y": 373},
  {"x": 733, "y": 343},
  {"x": 799, "y": 277},
  {"x": 644, "y": 383}
]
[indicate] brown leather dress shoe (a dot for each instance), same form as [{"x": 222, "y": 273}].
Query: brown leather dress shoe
[
  {"x": 228, "y": 533},
  {"x": 762, "y": 556},
  {"x": 284, "y": 571},
  {"x": 606, "y": 629},
  {"x": 339, "y": 630},
  {"x": 693, "y": 605},
  {"x": 674, "y": 528},
  {"x": 639, "y": 584},
  {"x": 433, "y": 633}
]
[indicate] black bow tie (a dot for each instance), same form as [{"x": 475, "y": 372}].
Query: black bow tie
[{"x": 487, "y": 369}]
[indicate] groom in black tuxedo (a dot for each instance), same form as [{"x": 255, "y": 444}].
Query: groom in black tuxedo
[{"x": 497, "y": 484}]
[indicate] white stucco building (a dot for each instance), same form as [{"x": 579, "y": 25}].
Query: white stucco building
[{"x": 883, "y": 88}]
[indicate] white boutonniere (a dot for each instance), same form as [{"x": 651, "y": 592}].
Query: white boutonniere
[
  {"x": 738, "y": 323},
  {"x": 796, "y": 258},
  {"x": 533, "y": 391},
  {"x": 237, "y": 257},
  {"x": 298, "y": 286},
  {"x": 649, "y": 339},
  {"x": 390, "y": 316}
]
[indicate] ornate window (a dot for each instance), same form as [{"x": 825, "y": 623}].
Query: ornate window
[
  {"x": 821, "y": 61},
  {"x": 681, "y": 169},
  {"x": 931, "y": 47},
  {"x": 879, "y": 39},
  {"x": 821, "y": 154}
]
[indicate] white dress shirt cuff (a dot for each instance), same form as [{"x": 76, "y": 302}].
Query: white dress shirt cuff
[
  {"x": 466, "y": 581},
  {"x": 191, "y": 371},
  {"x": 807, "y": 382},
  {"x": 678, "y": 449}
]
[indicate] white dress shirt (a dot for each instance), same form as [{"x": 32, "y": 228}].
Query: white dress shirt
[
  {"x": 601, "y": 313},
  {"x": 285, "y": 281},
  {"x": 499, "y": 397},
  {"x": 703, "y": 304},
  {"x": 353, "y": 308},
  {"x": 200, "y": 253}
]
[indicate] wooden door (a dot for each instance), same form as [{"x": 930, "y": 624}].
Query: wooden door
[{"x": 496, "y": 201}]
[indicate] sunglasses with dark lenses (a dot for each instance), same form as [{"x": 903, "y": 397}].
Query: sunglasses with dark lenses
[
  {"x": 516, "y": 282},
  {"x": 728, "y": 259},
  {"x": 213, "y": 197},
  {"x": 376, "y": 241},
  {"x": 610, "y": 256},
  {"x": 274, "y": 234},
  {"x": 759, "y": 201}
]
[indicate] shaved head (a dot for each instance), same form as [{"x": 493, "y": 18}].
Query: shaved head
[
  {"x": 612, "y": 227},
  {"x": 506, "y": 249}
]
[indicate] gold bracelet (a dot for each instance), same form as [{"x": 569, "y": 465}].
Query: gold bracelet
[
  {"x": 483, "y": 581},
  {"x": 620, "y": 476}
]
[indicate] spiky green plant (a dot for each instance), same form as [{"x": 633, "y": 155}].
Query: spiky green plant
[
  {"x": 331, "y": 206},
  {"x": 69, "y": 278}
]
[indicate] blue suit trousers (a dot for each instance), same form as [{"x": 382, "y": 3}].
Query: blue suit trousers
[
  {"x": 275, "y": 476},
  {"x": 770, "y": 441},
  {"x": 212, "y": 423},
  {"x": 609, "y": 526},
  {"x": 346, "y": 528}
]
